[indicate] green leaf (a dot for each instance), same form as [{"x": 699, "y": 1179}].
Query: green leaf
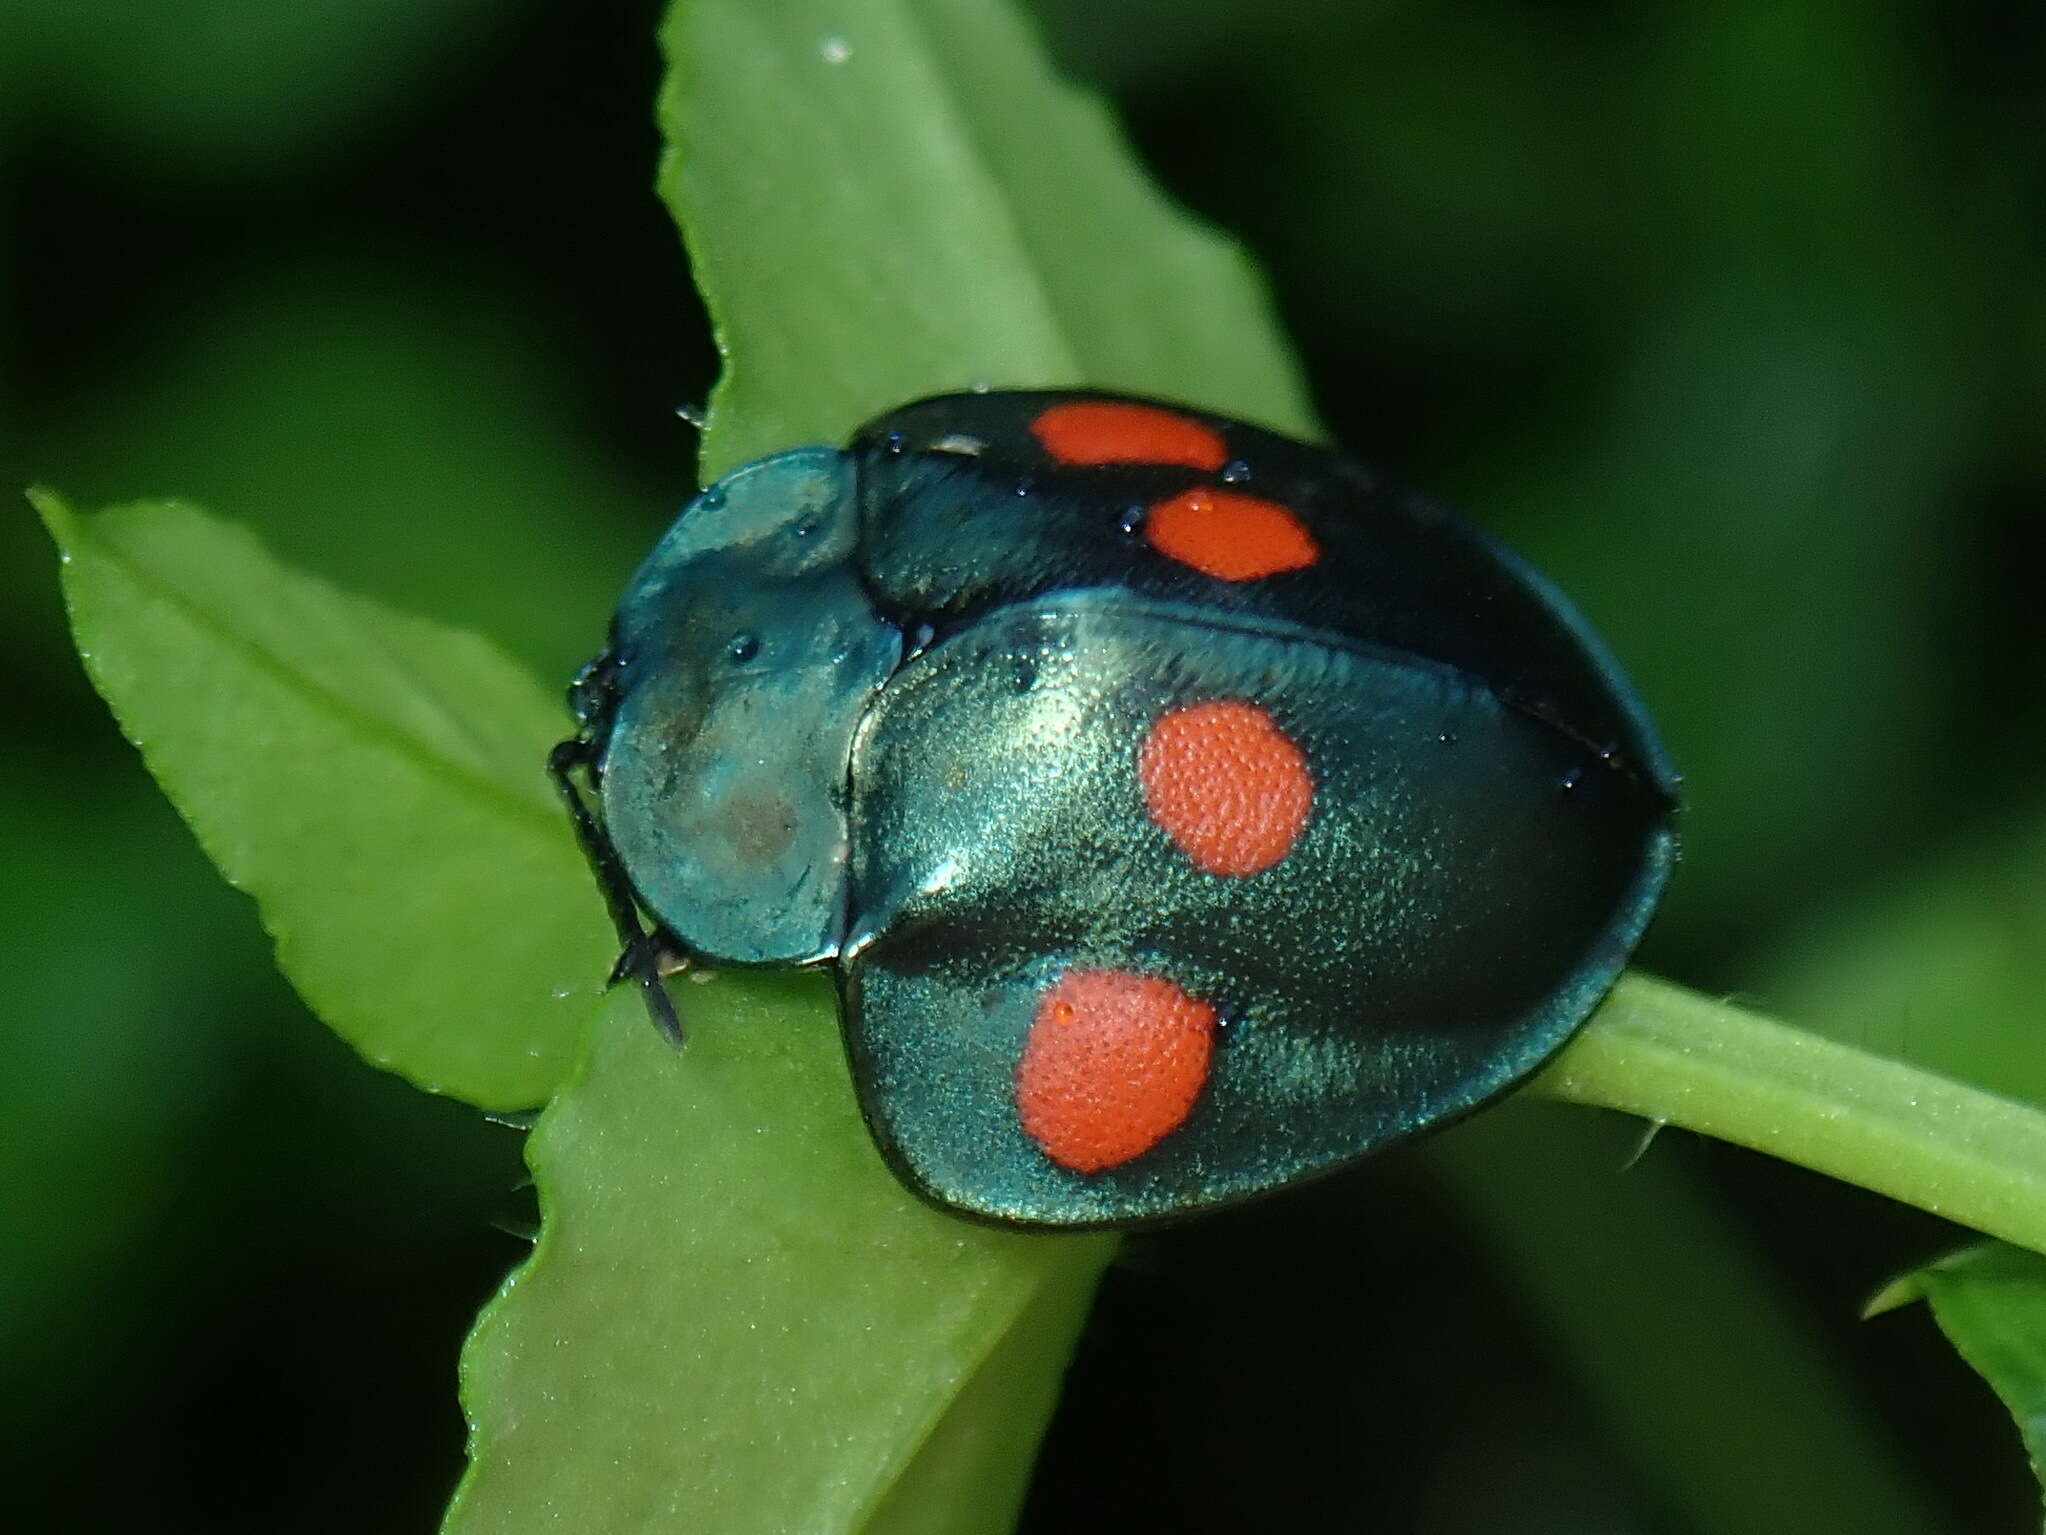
[
  {"x": 1990, "y": 1301},
  {"x": 374, "y": 781},
  {"x": 736, "y": 1319},
  {"x": 971, "y": 1473},
  {"x": 891, "y": 198}
]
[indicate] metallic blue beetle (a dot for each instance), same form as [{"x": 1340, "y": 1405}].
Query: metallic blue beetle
[{"x": 1187, "y": 811}]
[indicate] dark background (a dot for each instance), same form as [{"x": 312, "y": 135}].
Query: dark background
[{"x": 1734, "y": 321}]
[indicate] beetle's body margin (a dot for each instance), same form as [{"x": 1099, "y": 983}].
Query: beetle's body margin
[{"x": 1187, "y": 811}]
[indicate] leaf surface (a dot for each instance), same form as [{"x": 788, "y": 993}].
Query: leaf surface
[
  {"x": 893, "y": 198},
  {"x": 373, "y": 780},
  {"x": 735, "y": 1318}
]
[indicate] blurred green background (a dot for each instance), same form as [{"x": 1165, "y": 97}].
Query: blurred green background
[{"x": 1732, "y": 317}]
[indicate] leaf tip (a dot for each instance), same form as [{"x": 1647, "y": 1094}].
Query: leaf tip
[
  {"x": 1919, "y": 1283},
  {"x": 55, "y": 512},
  {"x": 1900, "y": 1292}
]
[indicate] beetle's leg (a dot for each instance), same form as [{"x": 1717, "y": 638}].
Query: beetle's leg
[
  {"x": 642, "y": 954},
  {"x": 650, "y": 958}
]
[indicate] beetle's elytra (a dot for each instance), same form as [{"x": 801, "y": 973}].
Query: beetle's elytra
[{"x": 1186, "y": 811}]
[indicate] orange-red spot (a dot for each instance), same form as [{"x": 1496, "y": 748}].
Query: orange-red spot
[
  {"x": 1112, "y": 1066},
  {"x": 1226, "y": 784},
  {"x": 1121, "y": 432},
  {"x": 1230, "y": 536}
]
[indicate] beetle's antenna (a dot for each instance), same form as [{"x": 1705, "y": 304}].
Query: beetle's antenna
[{"x": 641, "y": 953}]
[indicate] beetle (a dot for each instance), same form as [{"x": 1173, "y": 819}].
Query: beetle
[{"x": 1187, "y": 811}]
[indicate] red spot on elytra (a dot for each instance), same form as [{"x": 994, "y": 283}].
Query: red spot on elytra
[
  {"x": 1226, "y": 784},
  {"x": 1230, "y": 536},
  {"x": 1123, "y": 432},
  {"x": 1112, "y": 1066}
]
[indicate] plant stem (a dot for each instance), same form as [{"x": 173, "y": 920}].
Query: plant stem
[{"x": 1674, "y": 1057}]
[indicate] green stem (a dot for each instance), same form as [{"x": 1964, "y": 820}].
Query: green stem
[{"x": 1677, "y": 1058}]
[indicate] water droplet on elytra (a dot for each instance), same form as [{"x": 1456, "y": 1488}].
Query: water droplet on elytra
[
  {"x": 742, "y": 646},
  {"x": 1235, "y": 472},
  {"x": 835, "y": 50}
]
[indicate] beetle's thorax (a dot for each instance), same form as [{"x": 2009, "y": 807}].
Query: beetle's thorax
[{"x": 746, "y": 653}]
